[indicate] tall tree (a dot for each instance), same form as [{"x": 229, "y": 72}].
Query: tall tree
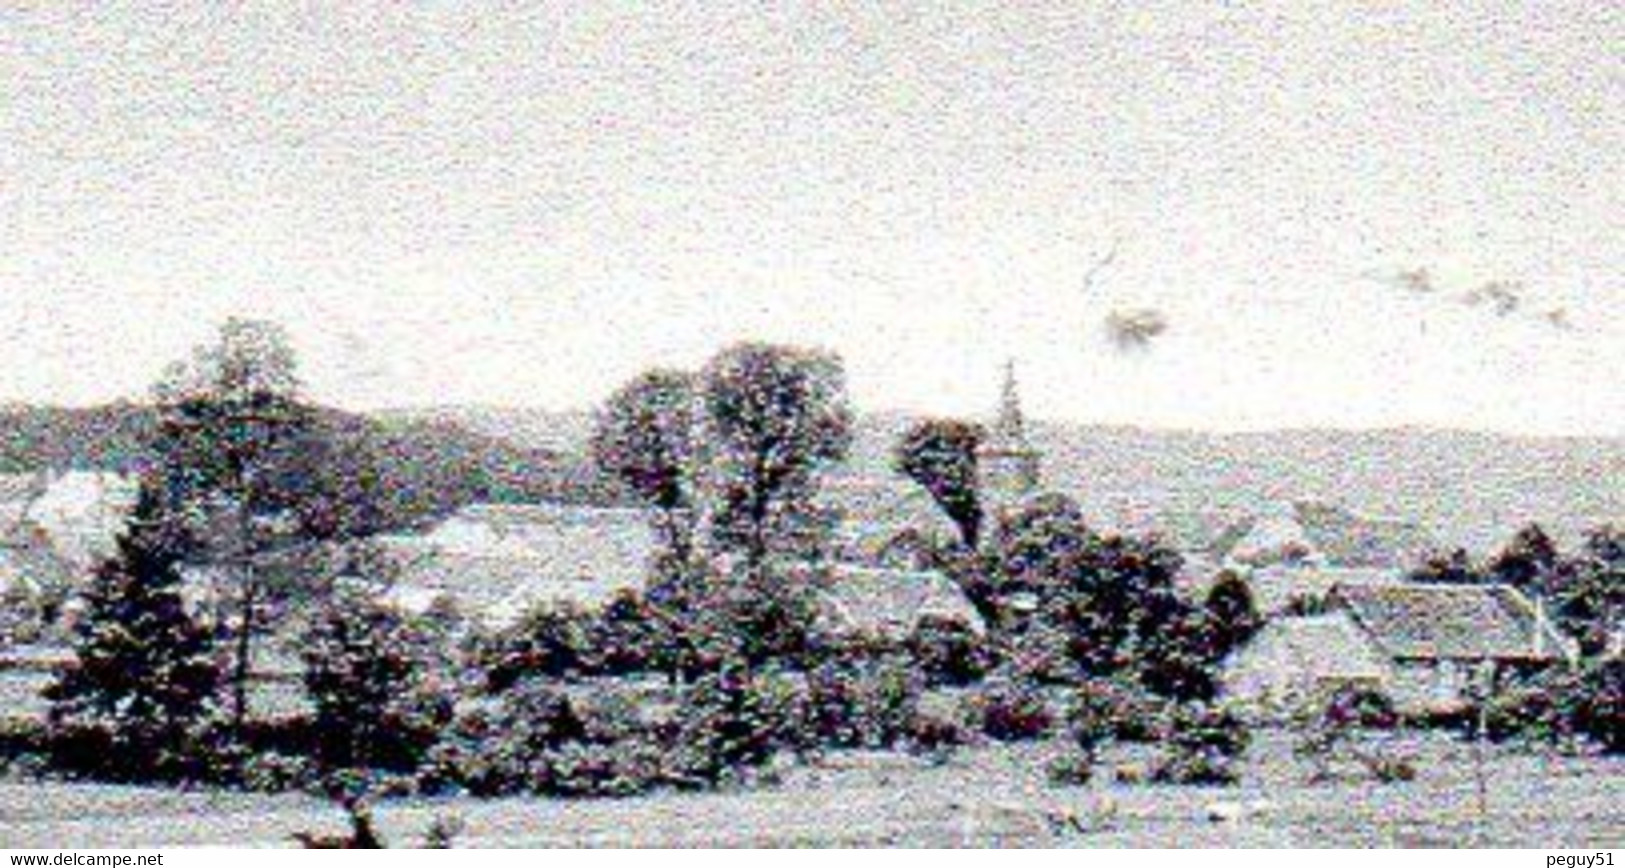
[
  {"x": 644, "y": 437},
  {"x": 235, "y": 445},
  {"x": 775, "y": 416},
  {"x": 145, "y": 669},
  {"x": 940, "y": 456}
]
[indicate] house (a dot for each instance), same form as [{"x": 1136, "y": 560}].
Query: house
[
  {"x": 1309, "y": 533},
  {"x": 1420, "y": 645},
  {"x": 890, "y": 603},
  {"x": 1292, "y": 661},
  {"x": 495, "y": 562},
  {"x": 1438, "y": 638}
]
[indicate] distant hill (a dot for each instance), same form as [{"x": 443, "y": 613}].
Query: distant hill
[
  {"x": 1463, "y": 488},
  {"x": 425, "y": 466}
]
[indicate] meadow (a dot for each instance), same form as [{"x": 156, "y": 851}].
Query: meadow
[{"x": 984, "y": 796}]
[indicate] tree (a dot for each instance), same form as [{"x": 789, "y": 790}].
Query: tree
[
  {"x": 940, "y": 455},
  {"x": 144, "y": 668},
  {"x": 1528, "y": 560},
  {"x": 644, "y": 437},
  {"x": 1109, "y": 599},
  {"x": 1587, "y": 592},
  {"x": 775, "y": 416},
  {"x": 1232, "y": 615},
  {"x": 240, "y": 458},
  {"x": 368, "y": 672}
]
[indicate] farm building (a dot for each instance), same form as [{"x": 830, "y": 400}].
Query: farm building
[
  {"x": 1311, "y": 534},
  {"x": 1296, "y": 659},
  {"x": 495, "y": 563},
  {"x": 1421, "y": 645}
]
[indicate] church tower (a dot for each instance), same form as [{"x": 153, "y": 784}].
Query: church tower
[{"x": 1008, "y": 463}]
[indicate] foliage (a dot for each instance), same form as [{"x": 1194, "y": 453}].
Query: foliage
[
  {"x": 730, "y": 721},
  {"x": 497, "y": 745},
  {"x": 1014, "y": 709},
  {"x": 1599, "y": 712},
  {"x": 245, "y": 473},
  {"x": 1107, "y": 603},
  {"x": 644, "y": 437},
  {"x": 144, "y": 674},
  {"x": 1232, "y": 615},
  {"x": 1335, "y": 730},
  {"x": 1527, "y": 561},
  {"x": 554, "y": 641},
  {"x": 1587, "y": 592},
  {"x": 370, "y": 672},
  {"x": 947, "y": 652},
  {"x": 1448, "y": 568},
  {"x": 868, "y": 702},
  {"x": 940, "y": 455},
  {"x": 774, "y": 416},
  {"x": 1205, "y": 745}
]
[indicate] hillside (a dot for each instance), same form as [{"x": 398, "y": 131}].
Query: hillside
[
  {"x": 423, "y": 466},
  {"x": 1464, "y": 488}
]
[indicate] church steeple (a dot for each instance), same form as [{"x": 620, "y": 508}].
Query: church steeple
[{"x": 1009, "y": 465}]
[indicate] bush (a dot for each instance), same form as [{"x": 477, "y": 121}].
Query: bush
[
  {"x": 369, "y": 672},
  {"x": 590, "y": 770},
  {"x": 1015, "y": 710},
  {"x": 497, "y": 746},
  {"x": 1071, "y": 769},
  {"x": 863, "y": 703},
  {"x": 947, "y": 652},
  {"x": 1599, "y": 710},
  {"x": 1204, "y": 746},
  {"x": 550, "y": 641},
  {"x": 729, "y": 722},
  {"x": 939, "y": 725}
]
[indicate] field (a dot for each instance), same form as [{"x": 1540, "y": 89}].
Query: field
[{"x": 982, "y": 797}]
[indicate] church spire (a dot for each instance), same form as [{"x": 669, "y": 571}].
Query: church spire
[
  {"x": 1011, "y": 426},
  {"x": 1009, "y": 465}
]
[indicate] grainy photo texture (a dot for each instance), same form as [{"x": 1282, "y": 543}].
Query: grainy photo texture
[{"x": 1074, "y": 424}]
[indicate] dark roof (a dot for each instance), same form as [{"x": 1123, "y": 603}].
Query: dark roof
[{"x": 1414, "y": 621}]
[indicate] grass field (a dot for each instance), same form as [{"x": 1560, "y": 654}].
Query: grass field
[{"x": 982, "y": 797}]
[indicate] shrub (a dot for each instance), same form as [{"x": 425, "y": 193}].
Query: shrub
[
  {"x": 1599, "y": 711},
  {"x": 939, "y": 726},
  {"x": 947, "y": 652},
  {"x": 369, "y": 672},
  {"x": 589, "y": 770},
  {"x": 728, "y": 722},
  {"x": 552, "y": 641},
  {"x": 1071, "y": 769},
  {"x": 863, "y": 703},
  {"x": 1204, "y": 746},
  {"x": 496, "y": 745},
  {"x": 1015, "y": 710}
]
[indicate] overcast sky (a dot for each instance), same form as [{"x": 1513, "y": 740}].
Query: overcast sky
[{"x": 517, "y": 203}]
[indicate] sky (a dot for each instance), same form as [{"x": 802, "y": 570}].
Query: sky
[{"x": 526, "y": 204}]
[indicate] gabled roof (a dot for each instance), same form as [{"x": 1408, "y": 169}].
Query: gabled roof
[
  {"x": 1310, "y": 648},
  {"x": 497, "y": 562},
  {"x": 1274, "y": 588},
  {"x": 890, "y": 603},
  {"x": 1325, "y": 534},
  {"x": 1414, "y": 621}
]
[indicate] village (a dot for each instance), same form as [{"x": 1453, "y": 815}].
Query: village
[{"x": 956, "y": 618}]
